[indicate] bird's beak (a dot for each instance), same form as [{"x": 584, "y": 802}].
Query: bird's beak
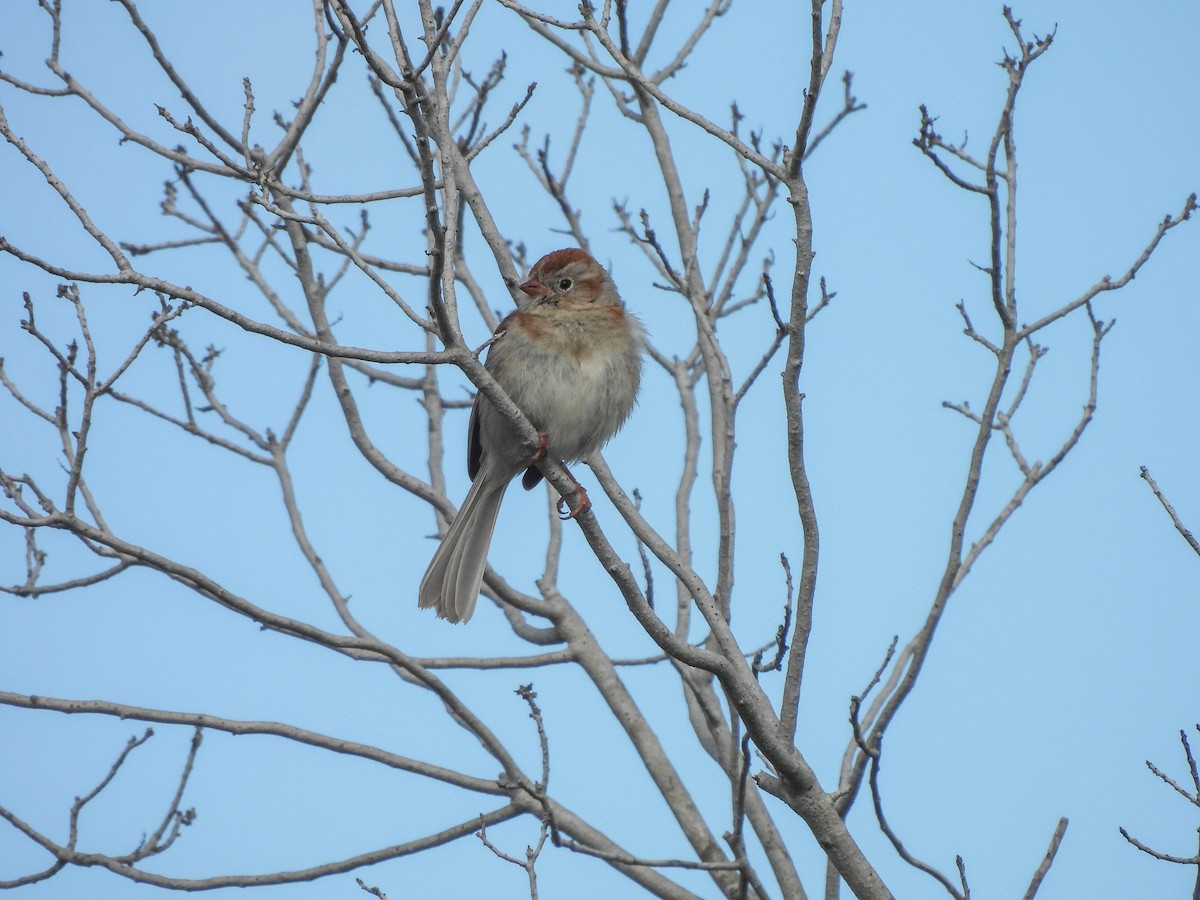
[{"x": 535, "y": 288}]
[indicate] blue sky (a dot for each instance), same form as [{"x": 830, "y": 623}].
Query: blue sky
[{"x": 1066, "y": 660}]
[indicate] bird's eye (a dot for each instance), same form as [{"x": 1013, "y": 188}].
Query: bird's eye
[{"x": 564, "y": 284}]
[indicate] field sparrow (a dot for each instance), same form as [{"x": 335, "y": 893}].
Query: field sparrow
[{"x": 571, "y": 358}]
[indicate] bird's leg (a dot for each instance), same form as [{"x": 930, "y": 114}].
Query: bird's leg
[
  {"x": 539, "y": 452},
  {"x": 584, "y": 503},
  {"x": 536, "y": 451}
]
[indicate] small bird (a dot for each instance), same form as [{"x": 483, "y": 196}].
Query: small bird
[{"x": 571, "y": 358}]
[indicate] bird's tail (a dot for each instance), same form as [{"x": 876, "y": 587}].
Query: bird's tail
[{"x": 451, "y": 583}]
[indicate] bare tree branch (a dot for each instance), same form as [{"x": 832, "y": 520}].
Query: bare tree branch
[{"x": 1175, "y": 520}]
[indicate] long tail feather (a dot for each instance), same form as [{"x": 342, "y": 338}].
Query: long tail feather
[{"x": 451, "y": 583}]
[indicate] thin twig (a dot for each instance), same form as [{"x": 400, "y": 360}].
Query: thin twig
[
  {"x": 1175, "y": 520},
  {"x": 1048, "y": 860}
]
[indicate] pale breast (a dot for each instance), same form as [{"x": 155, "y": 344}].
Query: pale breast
[{"x": 575, "y": 377}]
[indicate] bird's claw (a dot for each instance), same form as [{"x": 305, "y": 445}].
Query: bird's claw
[{"x": 571, "y": 513}]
